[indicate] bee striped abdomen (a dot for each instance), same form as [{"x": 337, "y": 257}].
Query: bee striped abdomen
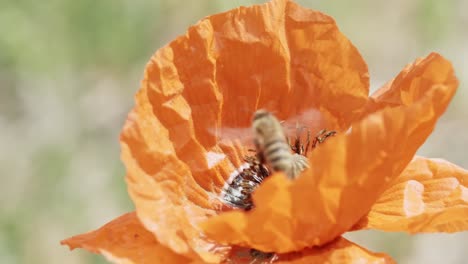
[{"x": 271, "y": 143}]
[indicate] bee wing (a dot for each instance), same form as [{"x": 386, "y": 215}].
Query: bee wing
[
  {"x": 227, "y": 135},
  {"x": 311, "y": 119}
]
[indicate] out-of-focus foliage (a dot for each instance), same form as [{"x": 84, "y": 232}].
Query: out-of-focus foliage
[{"x": 68, "y": 71}]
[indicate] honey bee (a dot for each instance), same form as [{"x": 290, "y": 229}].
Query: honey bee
[
  {"x": 273, "y": 148},
  {"x": 273, "y": 153}
]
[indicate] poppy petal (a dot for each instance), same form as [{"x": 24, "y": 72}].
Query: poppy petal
[
  {"x": 339, "y": 251},
  {"x": 169, "y": 202},
  {"x": 412, "y": 83},
  {"x": 431, "y": 195},
  {"x": 125, "y": 241},
  {"x": 177, "y": 144},
  {"x": 347, "y": 175}
]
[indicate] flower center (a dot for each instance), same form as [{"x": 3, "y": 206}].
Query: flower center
[
  {"x": 257, "y": 167},
  {"x": 275, "y": 152}
]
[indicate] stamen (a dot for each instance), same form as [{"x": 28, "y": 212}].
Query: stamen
[
  {"x": 238, "y": 193},
  {"x": 300, "y": 147}
]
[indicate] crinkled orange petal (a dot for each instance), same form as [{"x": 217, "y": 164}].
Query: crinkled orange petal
[
  {"x": 412, "y": 83},
  {"x": 185, "y": 135},
  {"x": 169, "y": 202},
  {"x": 431, "y": 195},
  {"x": 347, "y": 175},
  {"x": 340, "y": 251},
  {"x": 125, "y": 241}
]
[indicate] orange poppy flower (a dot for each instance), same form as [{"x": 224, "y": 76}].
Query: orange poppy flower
[{"x": 190, "y": 130}]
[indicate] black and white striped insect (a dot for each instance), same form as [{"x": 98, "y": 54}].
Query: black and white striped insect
[
  {"x": 273, "y": 148},
  {"x": 274, "y": 153}
]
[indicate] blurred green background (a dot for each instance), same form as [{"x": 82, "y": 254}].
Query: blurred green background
[{"x": 68, "y": 72}]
